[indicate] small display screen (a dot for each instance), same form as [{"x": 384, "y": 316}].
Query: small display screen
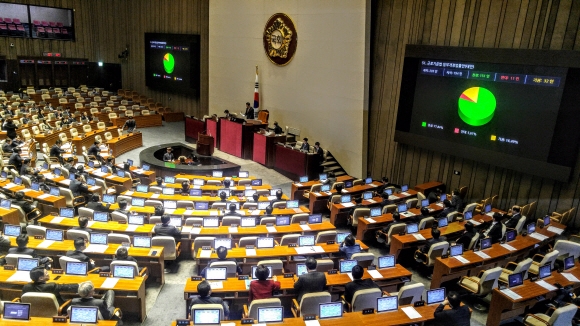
[
  {"x": 83, "y": 315},
  {"x": 54, "y": 235},
  {"x": 222, "y": 242},
  {"x": 19, "y": 311},
  {"x": 330, "y": 310},
  {"x": 206, "y": 316},
  {"x": 169, "y": 191},
  {"x": 76, "y": 268},
  {"x": 136, "y": 219},
  {"x": 270, "y": 315},
  {"x": 216, "y": 273},
  {"x": 315, "y": 219},
  {"x": 142, "y": 188},
  {"x": 26, "y": 264},
  {"x": 98, "y": 238},
  {"x": 169, "y": 179},
  {"x": 412, "y": 228},
  {"x": 217, "y": 174},
  {"x": 386, "y": 261},
  {"x": 170, "y": 204},
  {"x": 101, "y": 216},
  {"x": 211, "y": 222},
  {"x": 435, "y": 296},
  {"x": 401, "y": 208},
  {"x": 109, "y": 199},
  {"x": 282, "y": 220},
  {"x": 124, "y": 271},
  {"x": 265, "y": 243},
  {"x": 456, "y": 250},
  {"x": 140, "y": 202},
  {"x": 306, "y": 240},
  {"x": 390, "y": 303},
  {"x": 142, "y": 241},
  {"x": 11, "y": 230},
  {"x": 67, "y": 212},
  {"x": 347, "y": 265},
  {"x": 201, "y": 205}
]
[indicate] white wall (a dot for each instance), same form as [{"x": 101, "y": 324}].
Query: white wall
[{"x": 323, "y": 91}]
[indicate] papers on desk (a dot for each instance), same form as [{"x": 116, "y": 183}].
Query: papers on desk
[
  {"x": 65, "y": 181},
  {"x": 344, "y": 191},
  {"x": 110, "y": 177},
  {"x": 490, "y": 214},
  {"x": 188, "y": 212},
  {"x": 372, "y": 201},
  {"x": 131, "y": 227},
  {"x": 10, "y": 185},
  {"x": 439, "y": 204},
  {"x": 317, "y": 194},
  {"x": 129, "y": 193},
  {"x": 154, "y": 196},
  {"x": 474, "y": 222},
  {"x": 251, "y": 252},
  {"x": 195, "y": 231},
  {"x": 298, "y": 184},
  {"x": 20, "y": 276},
  {"x": 169, "y": 210},
  {"x": 411, "y": 312},
  {"x": 90, "y": 223},
  {"x": 404, "y": 193},
  {"x": 309, "y": 250},
  {"x": 57, "y": 219},
  {"x": 93, "y": 188},
  {"x": 418, "y": 236},
  {"x": 554, "y": 229},
  {"x": 271, "y": 229},
  {"x": 138, "y": 171},
  {"x": 461, "y": 259},
  {"x": 511, "y": 294},
  {"x": 96, "y": 248},
  {"x": 538, "y": 236},
  {"x": 408, "y": 214},
  {"x": 370, "y": 220},
  {"x": 375, "y": 274},
  {"x": 216, "y": 285},
  {"x": 45, "y": 244},
  {"x": 233, "y": 229},
  {"x": 234, "y": 200},
  {"x": 347, "y": 204},
  {"x": 310, "y": 323},
  {"x": 546, "y": 285},
  {"x": 110, "y": 283},
  {"x": 482, "y": 254},
  {"x": 196, "y": 187},
  {"x": 350, "y": 275},
  {"x": 248, "y": 187},
  {"x": 271, "y": 197},
  {"x": 297, "y": 210},
  {"x": 214, "y": 213},
  {"x": 204, "y": 253},
  {"x": 227, "y": 324},
  {"x": 305, "y": 227},
  {"x": 570, "y": 277},
  {"x": 508, "y": 247},
  {"x": 372, "y": 185},
  {"x": 255, "y": 212},
  {"x": 393, "y": 197},
  {"x": 99, "y": 173}
]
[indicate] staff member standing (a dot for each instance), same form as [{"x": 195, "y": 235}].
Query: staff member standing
[
  {"x": 168, "y": 157},
  {"x": 249, "y": 111},
  {"x": 56, "y": 151},
  {"x": 130, "y": 124}
]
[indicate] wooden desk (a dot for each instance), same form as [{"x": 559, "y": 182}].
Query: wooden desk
[
  {"x": 294, "y": 164},
  {"x": 129, "y": 294},
  {"x": 265, "y": 148},
  {"x": 318, "y": 201},
  {"x": 193, "y": 127},
  {"x": 297, "y": 189},
  {"x": 154, "y": 263},
  {"x": 10, "y": 216},
  {"x": 42, "y": 321},
  {"x": 427, "y": 187},
  {"x": 51, "y": 139},
  {"x": 451, "y": 268},
  {"x": 110, "y": 226},
  {"x": 503, "y": 307},
  {"x": 339, "y": 213},
  {"x": 146, "y": 177},
  {"x": 48, "y": 200},
  {"x": 89, "y": 138},
  {"x": 173, "y": 116},
  {"x": 63, "y": 182},
  {"x": 121, "y": 184},
  {"x": 125, "y": 143},
  {"x": 143, "y": 121},
  {"x": 205, "y": 198}
]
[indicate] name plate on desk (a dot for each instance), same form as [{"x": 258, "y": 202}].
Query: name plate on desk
[
  {"x": 104, "y": 274},
  {"x": 206, "y": 248},
  {"x": 303, "y": 222},
  {"x": 8, "y": 267},
  {"x": 292, "y": 245},
  {"x": 39, "y": 237},
  {"x": 59, "y": 319},
  {"x": 444, "y": 256},
  {"x": 288, "y": 275},
  {"x": 402, "y": 233},
  {"x": 332, "y": 271},
  {"x": 269, "y": 224},
  {"x": 368, "y": 311},
  {"x": 309, "y": 317},
  {"x": 419, "y": 303},
  {"x": 182, "y": 322},
  {"x": 330, "y": 242},
  {"x": 122, "y": 222},
  {"x": 57, "y": 271},
  {"x": 197, "y": 278},
  {"x": 249, "y": 247},
  {"x": 243, "y": 277},
  {"x": 246, "y": 321}
]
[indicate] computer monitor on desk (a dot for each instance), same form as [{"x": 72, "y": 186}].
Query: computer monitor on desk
[
  {"x": 195, "y": 192},
  {"x": 140, "y": 241},
  {"x": 401, "y": 208},
  {"x": 265, "y": 243},
  {"x": 568, "y": 262},
  {"x": 442, "y": 222},
  {"x": 516, "y": 279},
  {"x": 306, "y": 240},
  {"x": 263, "y": 204},
  {"x": 484, "y": 243},
  {"x": 347, "y": 265},
  {"x": 345, "y": 199},
  {"x": 325, "y": 188},
  {"x": 98, "y": 238},
  {"x": 54, "y": 235},
  {"x": 222, "y": 242},
  {"x": 456, "y": 250},
  {"x": 467, "y": 215},
  {"x": 404, "y": 188},
  {"x": 424, "y": 202},
  {"x": 245, "y": 174},
  {"x": 545, "y": 271},
  {"x": 303, "y": 179},
  {"x": 376, "y": 211},
  {"x": 211, "y": 222},
  {"x": 385, "y": 304},
  {"x": 169, "y": 179},
  {"x": 270, "y": 315},
  {"x": 330, "y": 310},
  {"x": 388, "y": 191},
  {"x": 168, "y": 191},
  {"x": 510, "y": 235},
  {"x": 206, "y": 316},
  {"x": 292, "y": 204},
  {"x": 76, "y": 268},
  {"x": 367, "y": 195},
  {"x": 136, "y": 219},
  {"x": 11, "y": 230},
  {"x": 67, "y": 212},
  {"x": 386, "y": 261},
  {"x": 487, "y": 208},
  {"x": 6, "y": 204},
  {"x": 16, "y": 311},
  {"x": 248, "y": 222},
  {"x": 26, "y": 264},
  {"x": 442, "y": 197},
  {"x": 216, "y": 273},
  {"x": 435, "y": 296},
  {"x": 255, "y": 268},
  {"x": 217, "y": 173},
  {"x": 348, "y": 184},
  {"x": 322, "y": 176},
  {"x": 124, "y": 271},
  {"x": 282, "y": 220},
  {"x": 315, "y": 219},
  {"x": 109, "y": 199},
  {"x": 83, "y": 315},
  {"x": 201, "y": 206},
  {"x": 412, "y": 228},
  {"x": 301, "y": 269}
]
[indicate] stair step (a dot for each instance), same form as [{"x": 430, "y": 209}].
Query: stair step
[
  {"x": 328, "y": 163},
  {"x": 336, "y": 174},
  {"x": 332, "y": 168}
]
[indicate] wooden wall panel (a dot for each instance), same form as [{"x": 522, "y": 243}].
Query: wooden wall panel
[
  {"x": 525, "y": 24},
  {"x": 104, "y": 28}
]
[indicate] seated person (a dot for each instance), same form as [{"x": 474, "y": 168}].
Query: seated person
[
  {"x": 69, "y": 165},
  {"x": 458, "y": 315},
  {"x": 468, "y": 234},
  {"x": 96, "y": 205},
  {"x": 95, "y": 151},
  {"x": 358, "y": 204},
  {"x": 223, "y": 196},
  {"x": 382, "y": 235},
  {"x": 83, "y": 222},
  {"x": 39, "y": 277},
  {"x": 167, "y": 230},
  {"x": 357, "y": 283},
  {"x": 19, "y": 201},
  {"x": 26, "y": 170},
  {"x": 513, "y": 218},
  {"x": 4, "y": 247},
  {"x": 278, "y": 198},
  {"x": 494, "y": 231},
  {"x": 447, "y": 209},
  {"x": 8, "y": 146},
  {"x": 122, "y": 254},
  {"x": 262, "y": 288},
  {"x": 123, "y": 207},
  {"x": 185, "y": 188},
  {"x": 310, "y": 282},
  {"x": 421, "y": 254},
  {"x": 78, "y": 188},
  {"x": 204, "y": 292},
  {"x": 15, "y": 159},
  {"x": 267, "y": 213},
  {"x": 349, "y": 246},
  {"x": 456, "y": 201},
  {"x": 418, "y": 218},
  {"x": 434, "y": 196},
  {"x": 106, "y": 304},
  {"x": 159, "y": 181},
  {"x": 222, "y": 253},
  {"x": 232, "y": 211},
  {"x": 330, "y": 179},
  {"x": 78, "y": 254},
  {"x": 22, "y": 242}
]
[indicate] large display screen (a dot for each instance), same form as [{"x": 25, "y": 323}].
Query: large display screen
[
  {"x": 172, "y": 63},
  {"x": 30, "y": 21},
  {"x": 487, "y": 109}
]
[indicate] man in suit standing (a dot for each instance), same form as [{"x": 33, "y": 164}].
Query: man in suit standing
[
  {"x": 249, "y": 111},
  {"x": 39, "y": 276},
  {"x": 310, "y": 282},
  {"x": 456, "y": 201},
  {"x": 495, "y": 230},
  {"x": 106, "y": 304},
  {"x": 458, "y": 315},
  {"x": 204, "y": 291},
  {"x": 513, "y": 220},
  {"x": 56, "y": 151},
  {"x": 168, "y": 157}
]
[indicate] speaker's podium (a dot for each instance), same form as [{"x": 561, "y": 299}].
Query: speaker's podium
[{"x": 205, "y": 144}]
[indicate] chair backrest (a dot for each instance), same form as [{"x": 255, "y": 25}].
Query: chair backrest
[
  {"x": 568, "y": 247},
  {"x": 12, "y": 259},
  {"x": 280, "y": 204},
  {"x": 520, "y": 225},
  {"x": 154, "y": 219},
  {"x": 84, "y": 211},
  {"x": 289, "y": 238},
  {"x": 231, "y": 267},
  {"x": 247, "y": 241},
  {"x": 262, "y": 303},
  {"x": 470, "y": 207},
  {"x": 366, "y": 298},
  {"x": 435, "y": 251},
  {"x": 451, "y": 217},
  {"x": 209, "y": 306},
  {"x": 68, "y": 196},
  {"x": 185, "y": 204},
  {"x": 426, "y": 223},
  {"x": 324, "y": 265},
  {"x": 563, "y": 315},
  {"x": 473, "y": 241},
  {"x": 297, "y": 218},
  {"x": 87, "y": 127},
  {"x": 488, "y": 281},
  {"x": 277, "y": 265},
  {"x": 74, "y": 234},
  {"x": 151, "y": 202},
  {"x": 117, "y": 216},
  {"x": 359, "y": 212},
  {"x": 229, "y": 220},
  {"x": 249, "y": 205},
  {"x": 199, "y": 242},
  {"x": 266, "y": 220},
  {"x": 310, "y": 301},
  {"x": 523, "y": 266},
  {"x": 411, "y": 293},
  {"x": 412, "y": 203},
  {"x": 219, "y": 205},
  {"x": 62, "y": 136},
  {"x": 118, "y": 238},
  {"x": 41, "y": 304},
  {"x": 365, "y": 259},
  {"x": 316, "y": 187},
  {"x": 101, "y": 125},
  {"x": 420, "y": 196},
  {"x": 325, "y": 236},
  {"x": 394, "y": 230},
  {"x": 74, "y": 132},
  {"x": 33, "y": 230},
  {"x": 168, "y": 244},
  {"x": 389, "y": 209},
  {"x": 334, "y": 199},
  {"x": 193, "y": 220}
]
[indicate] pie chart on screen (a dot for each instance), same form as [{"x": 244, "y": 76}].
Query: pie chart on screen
[
  {"x": 168, "y": 63},
  {"x": 476, "y": 106}
]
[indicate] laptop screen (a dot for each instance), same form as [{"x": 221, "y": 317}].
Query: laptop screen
[
  {"x": 273, "y": 191},
  {"x": 121, "y": 173},
  {"x": 368, "y": 195},
  {"x": 282, "y": 220},
  {"x": 222, "y": 242},
  {"x": 176, "y": 221},
  {"x": 104, "y": 169},
  {"x": 388, "y": 191},
  {"x": 248, "y": 222},
  {"x": 306, "y": 240},
  {"x": 270, "y": 315},
  {"x": 545, "y": 271},
  {"x": 145, "y": 167},
  {"x": 198, "y": 182},
  {"x": 301, "y": 269},
  {"x": 386, "y": 261},
  {"x": 435, "y": 296},
  {"x": 345, "y": 199},
  {"x": 67, "y": 212},
  {"x": 348, "y": 184},
  {"x": 136, "y": 219},
  {"x": 368, "y": 180},
  {"x": 83, "y": 315},
  {"x": 211, "y": 222},
  {"x": 487, "y": 208},
  {"x": 424, "y": 202},
  {"x": 315, "y": 219},
  {"x": 341, "y": 236},
  {"x": 243, "y": 174},
  {"x": 142, "y": 188},
  {"x": 169, "y": 179},
  {"x": 547, "y": 220},
  {"x": 485, "y": 243},
  {"x": 57, "y": 172},
  {"x": 325, "y": 188},
  {"x": 142, "y": 241},
  {"x": 206, "y": 316},
  {"x": 130, "y": 162},
  {"x": 255, "y": 268},
  {"x": 442, "y": 222},
  {"x": 442, "y": 197},
  {"x": 330, "y": 310},
  {"x": 98, "y": 238},
  {"x": 376, "y": 211},
  {"x": 195, "y": 192},
  {"x": 139, "y": 202},
  {"x": 54, "y": 235},
  {"x": 169, "y": 191},
  {"x": 109, "y": 199},
  {"x": 18, "y": 180},
  {"x": 510, "y": 235},
  {"x": 304, "y": 178},
  {"x": 347, "y": 265},
  {"x": 91, "y": 164},
  {"x": 263, "y": 204},
  {"x": 467, "y": 215},
  {"x": 531, "y": 228},
  {"x": 76, "y": 268},
  {"x": 249, "y": 192},
  {"x": 265, "y": 243},
  {"x": 201, "y": 205},
  {"x": 257, "y": 182},
  {"x": 36, "y": 186},
  {"x": 292, "y": 204},
  {"x": 54, "y": 191},
  {"x": 568, "y": 262},
  {"x": 515, "y": 280},
  {"x": 101, "y": 216},
  {"x": 170, "y": 204},
  {"x": 216, "y": 273},
  {"x": 323, "y": 176},
  {"x": 390, "y": 303},
  {"x": 456, "y": 250},
  {"x": 401, "y": 208},
  {"x": 26, "y": 264},
  {"x": 91, "y": 181},
  {"x": 5, "y": 203},
  {"x": 19, "y": 311},
  {"x": 412, "y": 228},
  {"x": 124, "y": 271},
  {"x": 404, "y": 187},
  {"x": 11, "y": 230}
]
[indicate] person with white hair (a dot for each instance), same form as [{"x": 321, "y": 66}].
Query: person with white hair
[{"x": 106, "y": 304}]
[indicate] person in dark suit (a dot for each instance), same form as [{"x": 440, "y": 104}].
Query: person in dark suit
[
  {"x": 349, "y": 246},
  {"x": 168, "y": 157},
  {"x": 167, "y": 230},
  {"x": 277, "y": 129},
  {"x": 319, "y": 152},
  {"x": 185, "y": 188},
  {"x": 514, "y": 218},
  {"x": 436, "y": 234},
  {"x": 26, "y": 169},
  {"x": 222, "y": 253},
  {"x": 382, "y": 235},
  {"x": 465, "y": 238},
  {"x": 106, "y": 304},
  {"x": 78, "y": 188},
  {"x": 232, "y": 211},
  {"x": 434, "y": 196},
  {"x": 123, "y": 207},
  {"x": 305, "y": 146},
  {"x": 78, "y": 254},
  {"x": 96, "y": 205},
  {"x": 8, "y": 146},
  {"x": 19, "y": 200},
  {"x": 418, "y": 218},
  {"x": 95, "y": 151},
  {"x": 83, "y": 222},
  {"x": 122, "y": 254},
  {"x": 456, "y": 201},
  {"x": 10, "y": 128},
  {"x": 357, "y": 283},
  {"x": 494, "y": 232},
  {"x": 204, "y": 292},
  {"x": 310, "y": 282},
  {"x": 39, "y": 276},
  {"x": 330, "y": 179},
  {"x": 447, "y": 209},
  {"x": 56, "y": 151},
  {"x": 16, "y": 159},
  {"x": 130, "y": 124},
  {"x": 458, "y": 315},
  {"x": 22, "y": 242},
  {"x": 249, "y": 114}
]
